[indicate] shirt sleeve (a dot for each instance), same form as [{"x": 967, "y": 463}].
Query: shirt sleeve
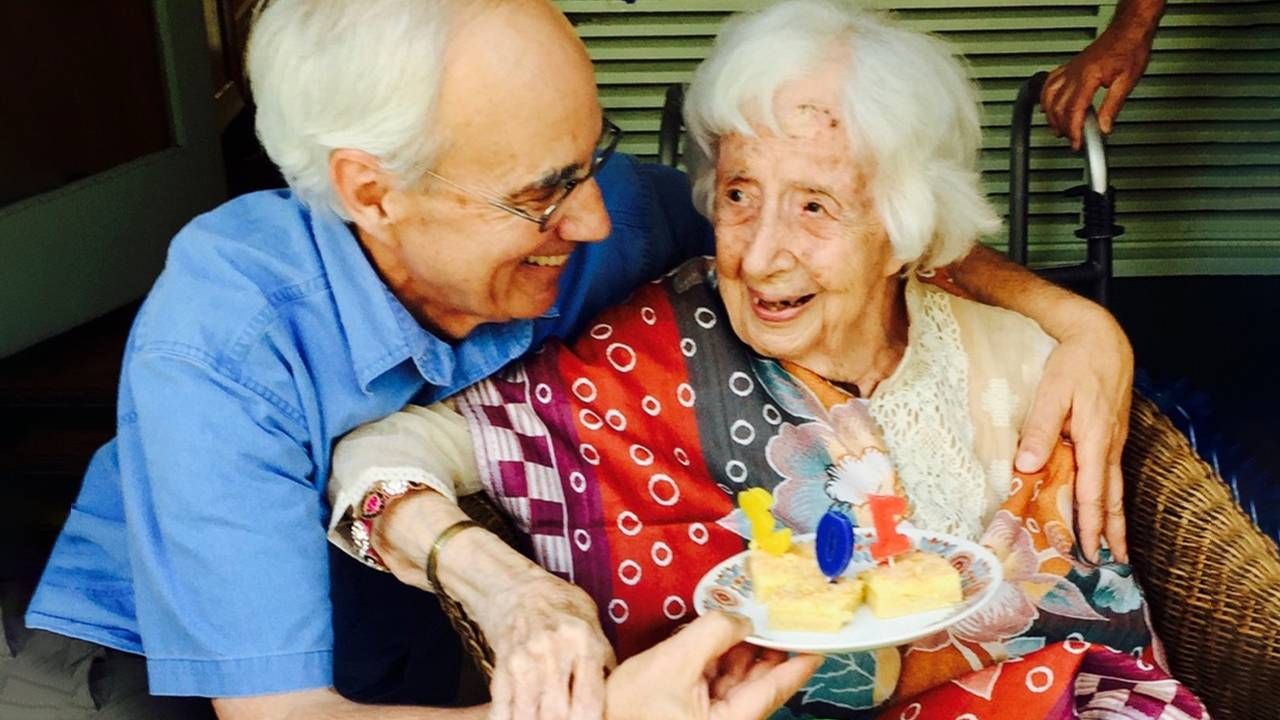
[
  {"x": 416, "y": 448},
  {"x": 226, "y": 531}
]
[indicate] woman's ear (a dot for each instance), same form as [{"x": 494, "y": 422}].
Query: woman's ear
[
  {"x": 362, "y": 186},
  {"x": 893, "y": 265}
]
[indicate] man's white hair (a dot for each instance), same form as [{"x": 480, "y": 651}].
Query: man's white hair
[
  {"x": 909, "y": 107},
  {"x": 359, "y": 74}
]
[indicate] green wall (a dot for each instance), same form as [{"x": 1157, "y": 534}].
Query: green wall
[{"x": 1195, "y": 155}]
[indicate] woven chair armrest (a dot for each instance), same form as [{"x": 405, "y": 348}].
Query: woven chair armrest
[{"x": 1211, "y": 577}]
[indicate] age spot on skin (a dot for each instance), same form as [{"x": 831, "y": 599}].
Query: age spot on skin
[{"x": 807, "y": 121}]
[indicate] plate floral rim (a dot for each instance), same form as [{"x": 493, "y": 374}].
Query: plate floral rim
[{"x": 726, "y": 585}]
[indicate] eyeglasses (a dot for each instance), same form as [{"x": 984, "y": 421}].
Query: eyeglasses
[{"x": 610, "y": 134}]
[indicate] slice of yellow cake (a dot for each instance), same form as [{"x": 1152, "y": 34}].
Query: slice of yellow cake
[
  {"x": 824, "y": 607},
  {"x": 915, "y": 582},
  {"x": 796, "y": 566},
  {"x": 797, "y": 595}
]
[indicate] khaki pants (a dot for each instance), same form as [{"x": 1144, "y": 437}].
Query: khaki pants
[{"x": 44, "y": 676}]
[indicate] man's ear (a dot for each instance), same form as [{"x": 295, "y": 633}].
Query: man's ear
[{"x": 362, "y": 187}]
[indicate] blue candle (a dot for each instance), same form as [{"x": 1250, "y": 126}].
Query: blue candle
[{"x": 834, "y": 544}]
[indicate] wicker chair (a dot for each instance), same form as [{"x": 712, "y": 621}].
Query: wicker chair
[{"x": 1211, "y": 577}]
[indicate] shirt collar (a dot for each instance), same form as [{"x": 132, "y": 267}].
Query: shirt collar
[
  {"x": 381, "y": 333},
  {"x": 374, "y": 337},
  {"x": 449, "y": 367}
]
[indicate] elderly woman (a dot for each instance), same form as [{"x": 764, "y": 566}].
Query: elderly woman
[{"x": 816, "y": 357}]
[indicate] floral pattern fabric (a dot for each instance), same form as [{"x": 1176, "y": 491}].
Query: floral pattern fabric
[{"x": 620, "y": 456}]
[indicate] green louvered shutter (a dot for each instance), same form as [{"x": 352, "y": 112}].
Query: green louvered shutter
[{"x": 1195, "y": 156}]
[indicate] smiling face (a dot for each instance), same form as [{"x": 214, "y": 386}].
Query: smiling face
[
  {"x": 516, "y": 123},
  {"x": 806, "y": 270}
]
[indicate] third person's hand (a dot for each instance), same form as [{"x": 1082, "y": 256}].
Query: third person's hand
[
  {"x": 706, "y": 672},
  {"x": 1116, "y": 61}
]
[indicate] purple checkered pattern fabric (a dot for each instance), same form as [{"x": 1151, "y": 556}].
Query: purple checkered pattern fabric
[
  {"x": 1110, "y": 686},
  {"x": 514, "y": 450}
]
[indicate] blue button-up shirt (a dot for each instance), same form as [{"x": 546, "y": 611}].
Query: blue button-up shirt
[{"x": 198, "y": 537}]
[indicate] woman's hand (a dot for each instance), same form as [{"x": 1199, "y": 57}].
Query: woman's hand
[
  {"x": 1085, "y": 394},
  {"x": 705, "y": 672},
  {"x": 550, "y": 654},
  {"x": 549, "y": 651}
]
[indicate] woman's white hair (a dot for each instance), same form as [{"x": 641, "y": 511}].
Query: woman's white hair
[
  {"x": 363, "y": 74},
  {"x": 910, "y": 109}
]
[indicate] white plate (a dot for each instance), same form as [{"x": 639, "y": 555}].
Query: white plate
[{"x": 727, "y": 586}]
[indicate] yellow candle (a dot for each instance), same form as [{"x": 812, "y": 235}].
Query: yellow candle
[{"x": 765, "y": 535}]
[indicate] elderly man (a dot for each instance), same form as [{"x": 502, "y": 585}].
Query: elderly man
[{"x": 450, "y": 208}]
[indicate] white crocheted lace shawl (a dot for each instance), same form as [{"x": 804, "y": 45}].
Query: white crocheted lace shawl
[{"x": 951, "y": 411}]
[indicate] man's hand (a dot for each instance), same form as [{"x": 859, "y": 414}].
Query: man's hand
[
  {"x": 1115, "y": 60},
  {"x": 550, "y": 653},
  {"x": 1085, "y": 393},
  {"x": 706, "y": 673}
]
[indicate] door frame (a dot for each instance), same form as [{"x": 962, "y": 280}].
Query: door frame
[{"x": 74, "y": 253}]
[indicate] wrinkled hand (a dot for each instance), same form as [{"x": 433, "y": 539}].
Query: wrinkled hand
[
  {"x": 1115, "y": 60},
  {"x": 550, "y": 653},
  {"x": 705, "y": 672},
  {"x": 1085, "y": 394}
]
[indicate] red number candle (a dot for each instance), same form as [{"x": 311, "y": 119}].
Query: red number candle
[{"x": 885, "y": 511}]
